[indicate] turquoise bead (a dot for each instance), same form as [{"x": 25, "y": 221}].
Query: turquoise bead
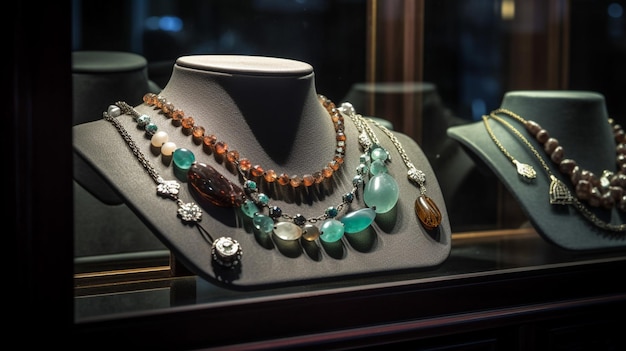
[
  {"x": 381, "y": 192},
  {"x": 331, "y": 230},
  {"x": 379, "y": 154},
  {"x": 263, "y": 223},
  {"x": 358, "y": 220},
  {"x": 249, "y": 208},
  {"x": 183, "y": 158},
  {"x": 151, "y": 128},
  {"x": 378, "y": 167},
  {"x": 143, "y": 120}
]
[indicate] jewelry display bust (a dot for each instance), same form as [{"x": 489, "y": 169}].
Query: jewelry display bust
[
  {"x": 268, "y": 110},
  {"x": 579, "y": 121}
]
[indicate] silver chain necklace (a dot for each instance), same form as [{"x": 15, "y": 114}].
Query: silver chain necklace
[{"x": 225, "y": 251}]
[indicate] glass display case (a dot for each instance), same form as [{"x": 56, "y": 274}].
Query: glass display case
[{"x": 417, "y": 67}]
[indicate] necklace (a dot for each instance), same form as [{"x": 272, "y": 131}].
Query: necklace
[
  {"x": 559, "y": 193},
  {"x": 209, "y": 184},
  {"x": 225, "y": 251},
  {"x": 255, "y": 171},
  {"x": 425, "y": 208},
  {"x": 605, "y": 191}
]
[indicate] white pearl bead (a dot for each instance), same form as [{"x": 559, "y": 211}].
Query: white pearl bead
[
  {"x": 159, "y": 138},
  {"x": 114, "y": 111},
  {"x": 168, "y": 148}
]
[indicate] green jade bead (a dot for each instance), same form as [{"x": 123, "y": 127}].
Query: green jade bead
[
  {"x": 331, "y": 230},
  {"x": 183, "y": 158},
  {"x": 381, "y": 192},
  {"x": 358, "y": 220},
  {"x": 378, "y": 167},
  {"x": 249, "y": 208},
  {"x": 263, "y": 223}
]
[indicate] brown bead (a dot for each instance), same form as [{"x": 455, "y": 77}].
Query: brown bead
[
  {"x": 270, "y": 176},
  {"x": 427, "y": 212},
  {"x": 221, "y": 148},
  {"x": 583, "y": 189},
  {"x": 542, "y": 136},
  {"x": 257, "y": 171},
  {"x": 567, "y": 166},
  {"x": 575, "y": 176},
  {"x": 150, "y": 98},
  {"x": 295, "y": 181},
  {"x": 197, "y": 132},
  {"x": 244, "y": 164},
  {"x": 283, "y": 179},
  {"x": 533, "y": 127},
  {"x": 232, "y": 156},
  {"x": 595, "y": 198},
  {"x": 178, "y": 115},
  {"x": 616, "y": 192},
  {"x": 209, "y": 141},
  {"x": 607, "y": 201},
  {"x": 550, "y": 145},
  {"x": 188, "y": 122},
  {"x": 308, "y": 180},
  {"x": 212, "y": 186},
  {"x": 557, "y": 155},
  {"x": 341, "y": 136},
  {"x": 333, "y": 165},
  {"x": 168, "y": 108},
  {"x": 318, "y": 177},
  {"x": 327, "y": 172}
]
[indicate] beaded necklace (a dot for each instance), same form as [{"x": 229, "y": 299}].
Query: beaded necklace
[
  {"x": 225, "y": 251},
  {"x": 255, "y": 171},
  {"x": 559, "y": 194},
  {"x": 605, "y": 191},
  {"x": 209, "y": 184},
  {"x": 425, "y": 208}
]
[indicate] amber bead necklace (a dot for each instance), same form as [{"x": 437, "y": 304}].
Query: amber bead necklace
[
  {"x": 605, "y": 191},
  {"x": 255, "y": 171},
  {"x": 225, "y": 251},
  {"x": 559, "y": 194},
  {"x": 425, "y": 208}
]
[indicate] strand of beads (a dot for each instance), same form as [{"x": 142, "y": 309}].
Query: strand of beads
[
  {"x": 256, "y": 171},
  {"x": 605, "y": 191}
]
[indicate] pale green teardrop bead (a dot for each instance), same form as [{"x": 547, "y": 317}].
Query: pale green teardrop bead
[
  {"x": 381, "y": 192},
  {"x": 263, "y": 223},
  {"x": 379, "y": 154},
  {"x": 358, "y": 220},
  {"x": 287, "y": 231},
  {"x": 331, "y": 230}
]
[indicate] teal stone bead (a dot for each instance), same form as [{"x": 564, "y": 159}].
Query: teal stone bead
[
  {"x": 249, "y": 208},
  {"x": 358, "y": 220},
  {"x": 331, "y": 230},
  {"x": 183, "y": 158},
  {"x": 250, "y": 184},
  {"x": 143, "y": 120},
  {"x": 378, "y": 167},
  {"x": 151, "y": 128},
  {"x": 379, "y": 154},
  {"x": 381, "y": 192},
  {"x": 263, "y": 223},
  {"x": 263, "y": 199},
  {"x": 332, "y": 212}
]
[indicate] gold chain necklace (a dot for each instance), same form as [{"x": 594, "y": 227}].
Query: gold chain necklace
[
  {"x": 605, "y": 191},
  {"x": 559, "y": 193}
]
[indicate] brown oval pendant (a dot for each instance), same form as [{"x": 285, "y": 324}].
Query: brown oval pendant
[
  {"x": 211, "y": 185},
  {"x": 428, "y": 212}
]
